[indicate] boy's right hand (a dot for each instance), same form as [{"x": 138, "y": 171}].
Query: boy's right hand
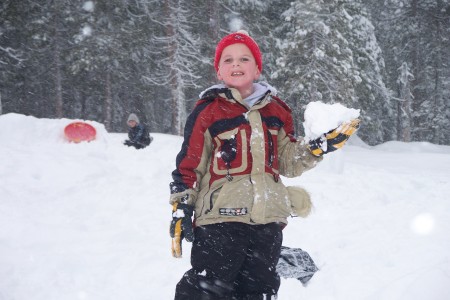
[{"x": 181, "y": 227}]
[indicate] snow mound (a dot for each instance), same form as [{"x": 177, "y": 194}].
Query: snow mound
[
  {"x": 412, "y": 147},
  {"x": 18, "y": 128},
  {"x": 91, "y": 220}
]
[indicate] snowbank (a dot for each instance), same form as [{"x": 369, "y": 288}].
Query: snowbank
[{"x": 90, "y": 220}]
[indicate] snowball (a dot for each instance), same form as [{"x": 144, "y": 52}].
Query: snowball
[{"x": 321, "y": 118}]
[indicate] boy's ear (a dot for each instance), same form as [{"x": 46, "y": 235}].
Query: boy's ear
[
  {"x": 257, "y": 74},
  {"x": 218, "y": 75}
]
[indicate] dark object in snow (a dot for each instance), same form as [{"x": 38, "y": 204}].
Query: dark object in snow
[{"x": 296, "y": 263}]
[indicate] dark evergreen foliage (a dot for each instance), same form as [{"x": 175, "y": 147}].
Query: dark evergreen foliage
[{"x": 102, "y": 59}]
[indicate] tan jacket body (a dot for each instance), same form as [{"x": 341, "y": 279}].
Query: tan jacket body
[{"x": 249, "y": 189}]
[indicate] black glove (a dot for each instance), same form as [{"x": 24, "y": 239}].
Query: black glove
[
  {"x": 181, "y": 226},
  {"x": 334, "y": 139}
]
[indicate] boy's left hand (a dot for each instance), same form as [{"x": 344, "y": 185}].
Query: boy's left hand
[{"x": 334, "y": 139}]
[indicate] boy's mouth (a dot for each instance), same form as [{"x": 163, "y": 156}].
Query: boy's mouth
[{"x": 237, "y": 74}]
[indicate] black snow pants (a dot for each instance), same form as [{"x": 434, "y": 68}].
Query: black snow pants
[{"x": 233, "y": 261}]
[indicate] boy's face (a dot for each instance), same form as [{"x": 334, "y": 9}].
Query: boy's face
[
  {"x": 238, "y": 69},
  {"x": 132, "y": 123}
]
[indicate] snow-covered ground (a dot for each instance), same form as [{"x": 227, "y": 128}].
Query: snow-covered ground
[{"x": 91, "y": 220}]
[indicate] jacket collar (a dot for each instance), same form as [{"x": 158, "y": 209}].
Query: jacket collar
[{"x": 259, "y": 96}]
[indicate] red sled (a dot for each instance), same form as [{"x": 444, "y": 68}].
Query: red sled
[{"x": 80, "y": 132}]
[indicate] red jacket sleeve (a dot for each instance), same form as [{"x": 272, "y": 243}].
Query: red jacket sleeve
[{"x": 189, "y": 158}]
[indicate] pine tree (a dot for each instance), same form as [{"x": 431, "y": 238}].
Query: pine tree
[
  {"x": 178, "y": 68},
  {"x": 11, "y": 57},
  {"x": 110, "y": 47},
  {"x": 99, "y": 52},
  {"x": 42, "y": 33},
  {"x": 439, "y": 77},
  {"x": 377, "y": 111},
  {"x": 316, "y": 61},
  {"x": 416, "y": 32},
  {"x": 101, "y": 60}
]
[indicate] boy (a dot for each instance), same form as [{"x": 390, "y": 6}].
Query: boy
[
  {"x": 138, "y": 135},
  {"x": 238, "y": 140}
]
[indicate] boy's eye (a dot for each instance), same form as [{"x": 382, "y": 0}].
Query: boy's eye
[
  {"x": 228, "y": 60},
  {"x": 245, "y": 59}
]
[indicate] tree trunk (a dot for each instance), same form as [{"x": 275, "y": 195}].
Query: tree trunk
[
  {"x": 438, "y": 104},
  {"x": 404, "y": 106},
  {"x": 415, "y": 67},
  {"x": 172, "y": 48},
  {"x": 108, "y": 102},
  {"x": 214, "y": 32},
  {"x": 58, "y": 66}
]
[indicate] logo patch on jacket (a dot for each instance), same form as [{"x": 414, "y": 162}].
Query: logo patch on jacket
[{"x": 233, "y": 211}]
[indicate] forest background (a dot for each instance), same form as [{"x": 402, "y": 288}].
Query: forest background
[{"x": 102, "y": 59}]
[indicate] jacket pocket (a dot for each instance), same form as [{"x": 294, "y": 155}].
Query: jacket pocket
[
  {"x": 233, "y": 198},
  {"x": 212, "y": 199},
  {"x": 230, "y": 152}
]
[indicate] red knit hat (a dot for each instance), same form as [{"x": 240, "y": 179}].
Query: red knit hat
[{"x": 242, "y": 37}]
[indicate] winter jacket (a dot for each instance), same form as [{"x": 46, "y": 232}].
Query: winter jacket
[
  {"x": 139, "y": 135},
  {"x": 232, "y": 157}
]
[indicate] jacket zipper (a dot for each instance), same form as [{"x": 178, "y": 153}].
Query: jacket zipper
[{"x": 271, "y": 150}]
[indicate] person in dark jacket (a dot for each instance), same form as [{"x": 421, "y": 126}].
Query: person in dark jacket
[{"x": 138, "y": 135}]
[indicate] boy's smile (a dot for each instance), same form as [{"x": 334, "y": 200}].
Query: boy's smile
[{"x": 238, "y": 69}]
